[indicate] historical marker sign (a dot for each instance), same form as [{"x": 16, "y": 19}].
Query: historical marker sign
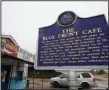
[{"x": 73, "y": 41}]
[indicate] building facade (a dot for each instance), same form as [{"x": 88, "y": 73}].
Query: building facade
[{"x": 14, "y": 64}]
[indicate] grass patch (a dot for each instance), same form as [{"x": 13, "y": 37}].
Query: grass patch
[{"x": 101, "y": 77}]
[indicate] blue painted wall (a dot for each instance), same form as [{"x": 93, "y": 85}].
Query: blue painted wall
[{"x": 17, "y": 84}]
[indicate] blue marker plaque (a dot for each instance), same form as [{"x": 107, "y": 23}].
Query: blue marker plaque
[{"x": 74, "y": 41}]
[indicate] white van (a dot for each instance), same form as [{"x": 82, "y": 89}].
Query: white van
[{"x": 85, "y": 80}]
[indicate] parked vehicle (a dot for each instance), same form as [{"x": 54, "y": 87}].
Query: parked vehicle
[{"x": 85, "y": 80}]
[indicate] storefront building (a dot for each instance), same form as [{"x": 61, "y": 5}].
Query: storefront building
[{"x": 14, "y": 64}]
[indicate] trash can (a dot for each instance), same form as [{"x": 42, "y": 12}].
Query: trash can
[{"x": 28, "y": 83}]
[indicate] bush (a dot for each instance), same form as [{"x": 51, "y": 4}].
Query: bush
[{"x": 100, "y": 72}]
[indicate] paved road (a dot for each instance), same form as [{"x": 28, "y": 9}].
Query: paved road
[{"x": 101, "y": 85}]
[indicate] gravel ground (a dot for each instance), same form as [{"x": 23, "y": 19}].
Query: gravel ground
[{"x": 45, "y": 84}]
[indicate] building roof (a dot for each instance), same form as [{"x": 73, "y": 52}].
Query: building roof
[{"x": 11, "y": 38}]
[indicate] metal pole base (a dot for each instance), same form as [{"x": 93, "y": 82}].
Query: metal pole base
[{"x": 72, "y": 80}]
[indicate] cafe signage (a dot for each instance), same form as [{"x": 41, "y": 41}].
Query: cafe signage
[
  {"x": 10, "y": 48},
  {"x": 73, "y": 41},
  {"x": 24, "y": 55}
]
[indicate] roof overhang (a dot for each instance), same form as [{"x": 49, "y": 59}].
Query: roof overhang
[{"x": 11, "y": 38}]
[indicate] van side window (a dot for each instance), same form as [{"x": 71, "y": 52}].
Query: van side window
[
  {"x": 78, "y": 76},
  {"x": 86, "y": 75},
  {"x": 64, "y": 76}
]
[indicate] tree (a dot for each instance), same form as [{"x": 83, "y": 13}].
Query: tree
[
  {"x": 93, "y": 72},
  {"x": 101, "y": 72}
]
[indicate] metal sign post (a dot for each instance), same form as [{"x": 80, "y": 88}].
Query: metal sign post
[{"x": 72, "y": 80}]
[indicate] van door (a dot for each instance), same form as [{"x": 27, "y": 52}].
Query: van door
[
  {"x": 63, "y": 80},
  {"x": 86, "y": 77}
]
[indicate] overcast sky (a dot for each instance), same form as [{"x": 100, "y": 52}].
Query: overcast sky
[{"x": 23, "y": 19}]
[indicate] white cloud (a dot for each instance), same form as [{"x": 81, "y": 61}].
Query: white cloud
[{"x": 22, "y": 19}]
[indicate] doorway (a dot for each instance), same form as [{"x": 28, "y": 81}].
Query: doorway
[{"x": 5, "y": 75}]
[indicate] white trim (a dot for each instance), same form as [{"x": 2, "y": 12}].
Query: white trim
[
  {"x": 71, "y": 67},
  {"x": 10, "y": 37}
]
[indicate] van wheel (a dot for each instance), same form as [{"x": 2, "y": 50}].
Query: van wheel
[
  {"x": 56, "y": 84},
  {"x": 85, "y": 85}
]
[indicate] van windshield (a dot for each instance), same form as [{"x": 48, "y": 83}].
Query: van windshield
[{"x": 57, "y": 75}]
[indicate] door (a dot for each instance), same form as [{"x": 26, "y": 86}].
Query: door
[
  {"x": 63, "y": 80},
  {"x": 5, "y": 72}
]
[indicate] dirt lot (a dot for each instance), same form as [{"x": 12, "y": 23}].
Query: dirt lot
[
  {"x": 40, "y": 83},
  {"x": 43, "y": 83},
  {"x": 101, "y": 77}
]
